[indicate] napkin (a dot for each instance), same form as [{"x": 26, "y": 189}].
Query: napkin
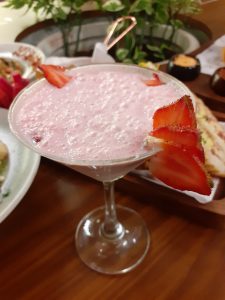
[
  {"x": 211, "y": 58},
  {"x": 144, "y": 174},
  {"x": 100, "y": 54}
]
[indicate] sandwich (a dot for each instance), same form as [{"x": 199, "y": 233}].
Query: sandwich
[{"x": 212, "y": 138}]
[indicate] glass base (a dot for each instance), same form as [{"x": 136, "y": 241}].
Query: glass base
[{"x": 110, "y": 255}]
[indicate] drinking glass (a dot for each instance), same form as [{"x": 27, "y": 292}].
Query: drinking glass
[{"x": 110, "y": 239}]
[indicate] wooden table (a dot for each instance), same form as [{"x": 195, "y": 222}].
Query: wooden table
[
  {"x": 38, "y": 258},
  {"x": 213, "y": 16}
]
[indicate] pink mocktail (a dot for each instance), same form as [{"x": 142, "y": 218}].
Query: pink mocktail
[
  {"x": 97, "y": 124},
  {"x": 101, "y": 114}
]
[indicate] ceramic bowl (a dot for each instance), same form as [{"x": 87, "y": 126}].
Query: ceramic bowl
[
  {"x": 218, "y": 81},
  {"x": 184, "y": 67}
]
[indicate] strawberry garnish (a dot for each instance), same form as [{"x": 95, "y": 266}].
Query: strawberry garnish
[
  {"x": 179, "y": 113},
  {"x": 18, "y": 83},
  {"x": 180, "y": 170},
  {"x": 185, "y": 137},
  {"x": 55, "y": 75},
  {"x": 6, "y": 93},
  {"x": 8, "y": 90},
  {"x": 154, "y": 81},
  {"x": 180, "y": 160}
]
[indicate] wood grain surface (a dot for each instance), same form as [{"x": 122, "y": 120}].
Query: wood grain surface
[
  {"x": 213, "y": 16},
  {"x": 186, "y": 260},
  {"x": 38, "y": 258}
]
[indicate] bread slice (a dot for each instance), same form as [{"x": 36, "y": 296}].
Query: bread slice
[{"x": 213, "y": 139}]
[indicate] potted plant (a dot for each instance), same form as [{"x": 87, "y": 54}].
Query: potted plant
[
  {"x": 65, "y": 13},
  {"x": 158, "y": 22},
  {"x": 154, "y": 38}
]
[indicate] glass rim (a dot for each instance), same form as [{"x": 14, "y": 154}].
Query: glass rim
[{"x": 85, "y": 162}]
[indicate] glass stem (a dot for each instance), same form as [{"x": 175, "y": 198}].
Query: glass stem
[{"x": 111, "y": 228}]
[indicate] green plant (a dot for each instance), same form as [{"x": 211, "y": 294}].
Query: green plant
[
  {"x": 149, "y": 14},
  {"x": 137, "y": 44}
]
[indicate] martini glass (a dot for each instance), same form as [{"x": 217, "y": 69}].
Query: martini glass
[{"x": 111, "y": 239}]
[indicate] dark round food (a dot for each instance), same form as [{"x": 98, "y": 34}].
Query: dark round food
[
  {"x": 218, "y": 81},
  {"x": 184, "y": 67}
]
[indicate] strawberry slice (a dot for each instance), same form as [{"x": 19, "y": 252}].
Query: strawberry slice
[
  {"x": 57, "y": 67},
  {"x": 180, "y": 160},
  {"x": 55, "y": 75},
  {"x": 5, "y": 99},
  {"x": 9, "y": 90},
  {"x": 154, "y": 81},
  {"x": 18, "y": 83},
  {"x": 187, "y": 138},
  {"x": 179, "y": 169},
  {"x": 179, "y": 113},
  {"x": 6, "y": 93}
]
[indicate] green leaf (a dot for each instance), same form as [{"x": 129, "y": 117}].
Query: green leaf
[
  {"x": 122, "y": 54},
  {"x": 129, "y": 41},
  {"x": 17, "y": 4},
  {"x": 177, "y": 23},
  {"x": 139, "y": 55},
  {"x": 78, "y": 4},
  {"x": 153, "y": 48},
  {"x": 128, "y": 61},
  {"x": 164, "y": 46},
  {"x": 159, "y": 55},
  {"x": 161, "y": 12},
  {"x": 142, "y": 5},
  {"x": 60, "y": 14},
  {"x": 113, "y": 6}
]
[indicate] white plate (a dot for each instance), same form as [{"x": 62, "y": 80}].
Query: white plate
[{"x": 23, "y": 166}]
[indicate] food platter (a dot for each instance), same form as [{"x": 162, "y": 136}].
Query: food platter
[
  {"x": 25, "y": 56},
  {"x": 23, "y": 166}
]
